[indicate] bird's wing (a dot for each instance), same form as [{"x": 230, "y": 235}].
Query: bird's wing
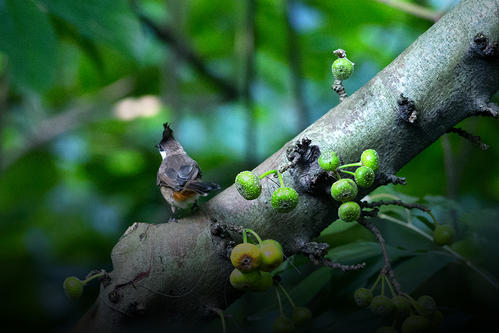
[{"x": 177, "y": 170}]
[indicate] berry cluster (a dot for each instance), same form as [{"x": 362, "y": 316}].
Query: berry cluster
[
  {"x": 408, "y": 315},
  {"x": 253, "y": 263},
  {"x": 283, "y": 200},
  {"x": 345, "y": 189}
]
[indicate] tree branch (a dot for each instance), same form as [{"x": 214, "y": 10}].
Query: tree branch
[
  {"x": 437, "y": 72},
  {"x": 81, "y": 112},
  {"x": 413, "y": 9}
]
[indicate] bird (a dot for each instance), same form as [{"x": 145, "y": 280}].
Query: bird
[{"x": 179, "y": 176}]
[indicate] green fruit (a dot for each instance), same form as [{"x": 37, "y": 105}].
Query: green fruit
[
  {"x": 342, "y": 68},
  {"x": 344, "y": 190},
  {"x": 364, "y": 176},
  {"x": 248, "y": 185},
  {"x": 415, "y": 324},
  {"x": 284, "y": 199},
  {"x": 73, "y": 287},
  {"x": 387, "y": 329},
  {"x": 382, "y": 306},
  {"x": 246, "y": 257},
  {"x": 301, "y": 315},
  {"x": 402, "y": 306},
  {"x": 264, "y": 282},
  {"x": 272, "y": 255},
  {"x": 436, "y": 320},
  {"x": 329, "y": 161},
  {"x": 349, "y": 211},
  {"x": 245, "y": 281},
  {"x": 363, "y": 297},
  {"x": 443, "y": 234},
  {"x": 283, "y": 325},
  {"x": 370, "y": 159},
  {"x": 428, "y": 304}
]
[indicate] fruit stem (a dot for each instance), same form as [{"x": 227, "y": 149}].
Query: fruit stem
[
  {"x": 245, "y": 237},
  {"x": 389, "y": 285},
  {"x": 287, "y": 295},
  {"x": 98, "y": 275},
  {"x": 383, "y": 284},
  {"x": 349, "y": 165},
  {"x": 375, "y": 283},
  {"x": 349, "y": 172},
  {"x": 280, "y": 179},
  {"x": 433, "y": 217},
  {"x": 414, "y": 304},
  {"x": 256, "y": 235},
  {"x": 279, "y": 301},
  {"x": 265, "y": 174},
  {"x": 222, "y": 318}
]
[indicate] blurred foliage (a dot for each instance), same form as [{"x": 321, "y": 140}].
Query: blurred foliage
[{"x": 87, "y": 86}]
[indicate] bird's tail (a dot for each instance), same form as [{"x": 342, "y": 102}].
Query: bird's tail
[{"x": 202, "y": 188}]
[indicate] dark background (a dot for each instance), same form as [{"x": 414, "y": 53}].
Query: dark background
[{"x": 86, "y": 85}]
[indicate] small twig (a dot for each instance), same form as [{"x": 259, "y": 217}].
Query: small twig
[
  {"x": 338, "y": 84},
  {"x": 339, "y": 89},
  {"x": 316, "y": 253},
  {"x": 413, "y": 9},
  {"x": 474, "y": 139},
  {"x": 387, "y": 268},
  {"x": 380, "y": 203},
  {"x": 385, "y": 179}
]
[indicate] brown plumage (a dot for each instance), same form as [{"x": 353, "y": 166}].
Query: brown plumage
[{"x": 179, "y": 176}]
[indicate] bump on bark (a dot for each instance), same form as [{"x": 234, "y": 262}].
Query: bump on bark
[
  {"x": 310, "y": 177},
  {"x": 407, "y": 109},
  {"x": 482, "y": 47}
]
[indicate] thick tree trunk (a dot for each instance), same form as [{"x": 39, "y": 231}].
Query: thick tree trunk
[{"x": 179, "y": 271}]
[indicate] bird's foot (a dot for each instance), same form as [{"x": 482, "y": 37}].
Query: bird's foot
[{"x": 172, "y": 219}]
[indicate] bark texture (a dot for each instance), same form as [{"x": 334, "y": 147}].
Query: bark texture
[{"x": 178, "y": 271}]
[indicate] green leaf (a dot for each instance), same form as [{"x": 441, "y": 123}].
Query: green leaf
[
  {"x": 30, "y": 44},
  {"x": 413, "y": 272}
]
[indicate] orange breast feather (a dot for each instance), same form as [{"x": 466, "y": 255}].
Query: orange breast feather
[{"x": 183, "y": 195}]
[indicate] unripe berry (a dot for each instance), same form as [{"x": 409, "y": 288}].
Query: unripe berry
[
  {"x": 264, "y": 282},
  {"x": 402, "y": 306},
  {"x": 244, "y": 281},
  {"x": 272, "y": 255},
  {"x": 363, "y": 297},
  {"x": 443, "y": 234},
  {"x": 284, "y": 199},
  {"x": 364, "y": 176},
  {"x": 73, "y": 287},
  {"x": 349, "y": 211},
  {"x": 246, "y": 257},
  {"x": 248, "y": 185},
  {"x": 329, "y": 161},
  {"x": 301, "y": 315},
  {"x": 283, "y": 325},
  {"x": 382, "y": 306},
  {"x": 344, "y": 190},
  {"x": 428, "y": 304},
  {"x": 370, "y": 159},
  {"x": 436, "y": 320},
  {"x": 415, "y": 324},
  {"x": 342, "y": 68}
]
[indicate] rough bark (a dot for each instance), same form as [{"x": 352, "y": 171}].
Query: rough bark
[{"x": 177, "y": 271}]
